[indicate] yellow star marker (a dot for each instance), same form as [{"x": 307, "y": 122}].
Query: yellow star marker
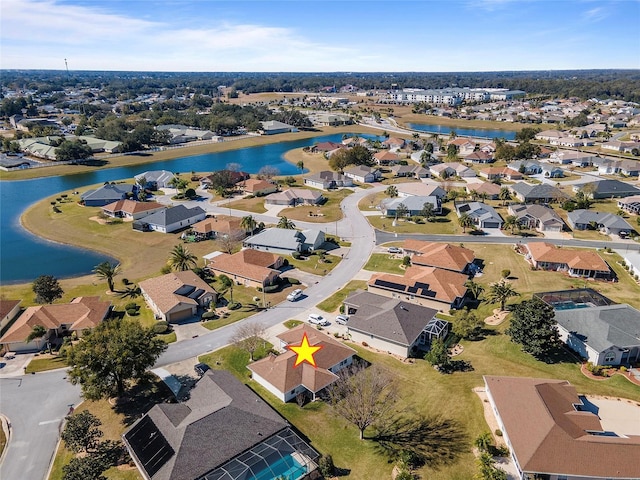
[{"x": 305, "y": 351}]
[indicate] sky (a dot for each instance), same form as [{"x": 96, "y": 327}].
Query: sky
[{"x": 319, "y": 36}]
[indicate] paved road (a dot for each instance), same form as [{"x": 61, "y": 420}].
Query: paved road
[{"x": 35, "y": 406}]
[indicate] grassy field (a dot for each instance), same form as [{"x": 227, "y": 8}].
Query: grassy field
[
  {"x": 314, "y": 265},
  {"x": 332, "y": 303},
  {"x": 3, "y": 441},
  {"x": 444, "y": 225},
  {"x": 45, "y": 362},
  {"x": 329, "y": 211},
  {"x": 384, "y": 262},
  {"x": 255, "y": 204}
]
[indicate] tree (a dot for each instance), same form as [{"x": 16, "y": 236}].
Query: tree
[
  {"x": 500, "y": 292},
  {"x": 437, "y": 354},
  {"x": 363, "y": 396},
  {"x": 81, "y": 432},
  {"x": 484, "y": 442},
  {"x": 179, "y": 184},
  {"x": 391, "y": 191},
  {"x": 300, "y": 166},
  {"x": 511, "y": 222},
  {"x": 467, "y": 325},
  {"x": 452, "y": 151},
  {"x": 474, "y": 289},
  {"x": 534, "y": 327},
  {"x": 38, "y": 331},
  {"x": 229, "y": 243},
  {"x": 268, "y": 172},
  {"x": 249, "y": 224},
  {"x": 182, "y": 259},
  {"x": 248, "y": 337},
  {"x": 73, "y": 150},
  {"x": 112, "y": 355},
  {"x": 339, "y": 161},
  {"x": 465, "y": 221},
  {"x": 401, "y": 210},
  {"x": 47, "y": 289},
  {"x": 583, "y": 199},
  {"x": 427, "y": 211},
  {"x": 227, "y": 284},
  {"x": 526, "y": 134},
  {"x": 505, "y": 273},
  {"x": 84, "y": 468},
  {"x": 284, "y": 222},
  {"x": 107, "y": 271},
  {"x": 504, "y": 195}
]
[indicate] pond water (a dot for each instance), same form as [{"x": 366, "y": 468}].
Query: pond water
[
  {"x": 465, "y": 132},
  {"x": 24, "y": 256}
]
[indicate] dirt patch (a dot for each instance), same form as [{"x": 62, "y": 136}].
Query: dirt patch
[
  {"x": 99, "y": 220},
  {"x": 497, "y": 318},
  {"x": 456, "y": 350}
]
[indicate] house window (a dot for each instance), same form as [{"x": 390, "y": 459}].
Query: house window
[{"x": 610, "y": 357}]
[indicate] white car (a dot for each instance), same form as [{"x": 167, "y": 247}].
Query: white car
[
  {"x": 342, "y": 319},
  {"x": 318, "y": 320},
  {"x": 295, "y": 295},
  {"x": 394, "y": 250}
]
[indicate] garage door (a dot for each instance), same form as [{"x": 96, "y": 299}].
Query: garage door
[
  {"x": 175, "y": 316},
  {"x": 491, "y": 225}
]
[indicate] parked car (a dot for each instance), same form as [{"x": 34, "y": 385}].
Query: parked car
[
  {"x": 394, "y": 250},
  {"x": 318, "y": 320},
  {"x": 342, "y": 319},
  {"x": 294, "y": 295},
  {"x": 200, "y": 368}
]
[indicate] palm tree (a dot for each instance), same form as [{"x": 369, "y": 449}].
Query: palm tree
[
  {"x": 300, "y": 165},
  {"x": 511, "y": 222},
  {"x": 182, "y": 259},
  {"x": 474, "y": 289},
  {"x": 248, "y": 223},
  {"x": 227, "y": 284},
  {"x": 500, "y": 292},
  {"x": 38, "y": 331},
  {"x": 392, "y": 191},
  {"x": 465, "y": 221},
  {"x": 504, "y": 195},
  {"x": 107, "y": 271},
  {"x": 284, "y": 222}
]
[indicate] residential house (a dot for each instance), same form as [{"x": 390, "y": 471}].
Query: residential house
[
  {"x": 327, "y": 180},
  {"x": 222, "y": 431},
  {"x": 58, "y": 319},
  {"x": 464, "y": 145},
  {"x": 385, "y": 157},
  {"x": 278, "y": 375},
  {"x": 577, "y": 159},
  {"x": 130, "y": 209},
  {"x": 540, "y": 193},
  {"x": 483, "y": 215},
  {"x": 632, "y": 260},
  {"x": 9, "y": 310},
  {"x": 108, "y": 193},
  {"x": 251, "y": 268},
  {"x": 479, "y": 157},
  {"x": 170, "y": 219},
  {"x": 154, "y": 179},
  {"x": 571, "y": 141},
  {"x": 412, "y": 171},
  {"x": 608, "y": 166},
  {"x": 414, "y": 205},
  {"x": 392, "y": 325},
  {"x": 219, "y": 226},
  {"x": 285, "y": 241},
  {"x": 177, "y": 295},
  {"x": 274, "y": 127},
  {"x": 487, "y": 190},
  {"x": 420, "y": 190},
  {"x": 630, "y": 204},
  {"x": 528, "y": 167},
  {"x": 495, "y": 173},
  {"x": 363, "y": 174},
  {"x": 330, "y": 119},
  {"x": 550, "y": 135},
  {"x": 182, "y": 133},
  {"x": 325, "y": 147},
  {"x": 254, "y": 186},
  {"x": 554, "y": 433},
  {"x": 537, "y": 217},
  {"x": 608, "y": 189},
  {"x": 577, "y": 263},
  {"x": 232, "y": 177},
  {"x": 604, "y": 335},
  {"x": 394, "y": 143},
  {"x": 427, "y": 286},
  {"x": 451, "y": 169},
  {"x": 294, "y": 197},
  {"x": 441, "y": 255},
  {"x": 606, "y": 222}
]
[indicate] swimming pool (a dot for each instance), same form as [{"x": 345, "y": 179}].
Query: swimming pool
[
  {"x": 569, "y": 305},
  {"x": 286, "y": 468}
]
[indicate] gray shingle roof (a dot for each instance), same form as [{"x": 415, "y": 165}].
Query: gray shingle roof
[
  {"x": 387, "y": 318},
  {"x": 172, "y": 215},
  {"x": 610, "y": 187},
  {"x": 277, "y": 238},
  {"x": 603, "y": 327},
  {"x": 609, "y": 220},
  {"x": 108, "y": 192},
  {"x": 535, "y": 192}
]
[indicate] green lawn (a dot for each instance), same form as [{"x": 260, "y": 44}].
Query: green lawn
[
  {"x": 255, "y": 204},
  {"x": 292, "y": 323},
  {"x": 444, "y": 225},
  {"x": 327, "y": 212},
  {"x": 3, "y": 441},
  {"x": 332, "y": 303},
  {"x": 314, "y": 265},
  {"x": 45, "y": 362},
  {"x": 384, "y": 262},
  {"x": 234, "y": 359}
]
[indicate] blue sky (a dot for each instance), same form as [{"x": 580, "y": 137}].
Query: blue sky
[{"x": 312, "y": 36}]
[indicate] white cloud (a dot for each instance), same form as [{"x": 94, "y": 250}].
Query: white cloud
[{"x": 595, "y": 14}]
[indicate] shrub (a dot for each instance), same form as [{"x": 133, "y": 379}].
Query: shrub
[
  {"x": 365, "y": 344},
  {"x": 259, "y": 289},
  {"x": 342, "y": 308},
  {"x": 161, "y": 327},
  {"x": 623, "y": 369},
  {"x": 293, "y": 281},
  {"x": 209, "y": 315},
  {"x": 405, "y": 475},
  {"x": 166, "y": 269},
  {"x": 498, "y": 432},
  {"x": 296, "y": 255},
  {"x": 132, "y": 312},
  {"x": 505, "y": 273},
  {"x": 319, "y": 252},
  {"x": 285, "y": 263},
  {"x": 131, "y": 306},
  {"x": 406, "y": 261},
  {"x": 125, "y": 281},
  {"x": 234, "y": 306},
  {"x": 271, "y": 288},
  {"x": 326, "y": 466}
]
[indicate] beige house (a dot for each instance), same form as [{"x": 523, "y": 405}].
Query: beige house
[
  {"x": 219, "y": 225},
  {"x": 577, "y": 263},
  {"x": 58, "y": 320},
  {"x": 9, "y": 310},
  {"x": 130, "y": 209},
  {"x": 254, "y": 186},
  {"x": 441, "y": 255},
  {"x": 177, "y": 295},
  {"x": 251, "y": 268}
]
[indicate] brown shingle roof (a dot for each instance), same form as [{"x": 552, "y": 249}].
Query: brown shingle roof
[
  {"x": 81, "y": 313},
  {"x": 6, "y": 306},
  {"x": 250, "y": 264},
  {"x": 131, "y": 206},
  {"x": 577, "y": 259},
  {"x": 162, "y": 290},
  {"x": 254, "y": 185},
  {"x": 426, "y": 282},
  {"x": 219, "y": 224},
  {"x": 548, "y": 435},
  {"x": 279, "y": 371},
  {"x": 442, "y": 255}
]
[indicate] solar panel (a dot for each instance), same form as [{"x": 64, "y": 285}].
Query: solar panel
[
  {"x": 149, "y": 445},
  {"x": 384, "y": 283}
]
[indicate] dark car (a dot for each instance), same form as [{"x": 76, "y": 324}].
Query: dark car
[{"x": 200, "y": 368}]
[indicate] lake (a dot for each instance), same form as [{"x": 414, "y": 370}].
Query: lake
[
  {"x": 489, "y": 134},
  {"x": 25, "y": 256}
]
